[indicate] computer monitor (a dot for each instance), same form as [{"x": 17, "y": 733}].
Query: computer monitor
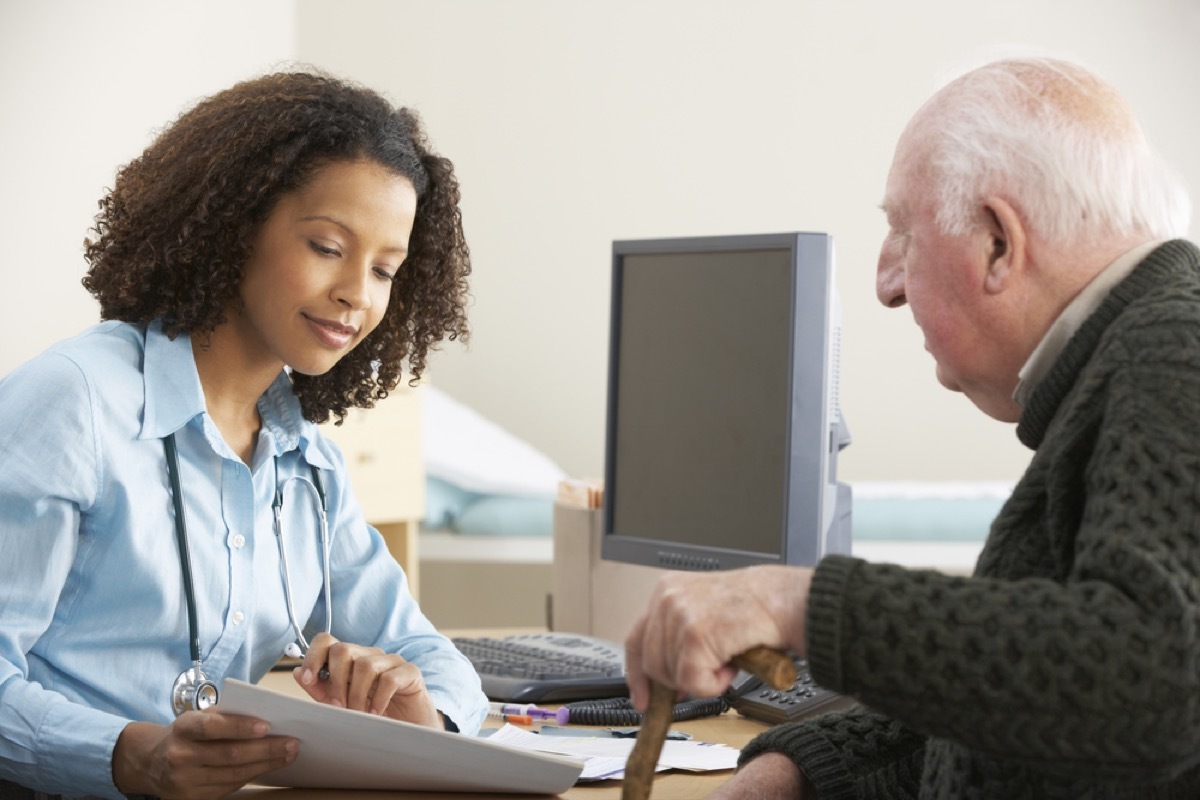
[{"x": 724, "y": 424}]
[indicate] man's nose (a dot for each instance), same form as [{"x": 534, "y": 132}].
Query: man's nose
[{"x": 889, "y": 275}]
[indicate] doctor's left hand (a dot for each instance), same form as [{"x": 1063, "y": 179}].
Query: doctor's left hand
[{"x": 366, "y": 679}]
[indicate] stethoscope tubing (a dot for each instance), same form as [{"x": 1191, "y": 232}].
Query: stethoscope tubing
[
  {"x": 185, "y": 557},
  {"x": 322, "y": 511},
  {"x": 192, "y": 683}
]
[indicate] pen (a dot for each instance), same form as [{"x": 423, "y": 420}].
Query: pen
[
  {"x": 602, "y": 733},
  {"x": 520, "y": 719},
  {"x": 559, "y": 715},
  {"x": 322, "y": 673}
]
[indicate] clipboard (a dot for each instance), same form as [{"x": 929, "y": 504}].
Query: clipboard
[{"x": 344, "y": 749}]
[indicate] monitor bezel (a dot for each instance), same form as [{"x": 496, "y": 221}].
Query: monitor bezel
[{"x": 811, "y": 446}]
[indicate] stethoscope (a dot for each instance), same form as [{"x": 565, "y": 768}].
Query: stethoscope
[{"x": 193, "y": 690}]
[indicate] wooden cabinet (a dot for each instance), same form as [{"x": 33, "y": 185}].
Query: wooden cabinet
[{"x": 382, "y": 446}]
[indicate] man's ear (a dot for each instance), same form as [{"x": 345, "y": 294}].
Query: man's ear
[{"x": 1006, "y": 254}]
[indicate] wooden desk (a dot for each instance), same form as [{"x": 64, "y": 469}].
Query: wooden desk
[{"x": 729, "y": 728}]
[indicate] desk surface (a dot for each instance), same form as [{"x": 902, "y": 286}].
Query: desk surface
[{"x": 729, "y": 728}]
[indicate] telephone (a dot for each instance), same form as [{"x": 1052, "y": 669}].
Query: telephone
[{"x": 751, "y": 698}]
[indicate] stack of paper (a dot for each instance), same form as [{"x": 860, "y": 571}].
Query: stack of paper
[
  {"x": 343, "y": 749},
  {"x": 604, "y": 757}
]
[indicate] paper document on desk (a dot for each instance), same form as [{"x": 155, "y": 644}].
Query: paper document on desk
[
  {"x": 606, "y": 756},
  {"x": 343, "y": 749}
]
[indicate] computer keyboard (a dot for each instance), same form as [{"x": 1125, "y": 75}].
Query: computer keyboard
[
  {"x": 547, "y": 667},
  {"x": 564, "y": 667}
]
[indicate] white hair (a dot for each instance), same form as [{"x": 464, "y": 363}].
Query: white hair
[{"x": 1059, "y": 143}]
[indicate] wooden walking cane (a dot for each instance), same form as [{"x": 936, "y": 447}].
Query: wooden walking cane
[{"x": 771, "y": 666}]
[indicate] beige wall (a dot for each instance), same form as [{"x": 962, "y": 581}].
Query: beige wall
[
  {"x": 573, "y": 123},
  {"x": 576, "y": 123},
  {"x": 83, "y": 88}
]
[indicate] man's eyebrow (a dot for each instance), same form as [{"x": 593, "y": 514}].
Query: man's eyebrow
[{"x": 892, "y": 212}]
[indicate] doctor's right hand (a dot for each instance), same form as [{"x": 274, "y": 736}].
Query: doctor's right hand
[
  {"x": 367, "y": 679},
  {"x": 202, "y": 754}
]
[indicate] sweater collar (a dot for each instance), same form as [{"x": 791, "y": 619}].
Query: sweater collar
[
  {"x": 1079, "y": 309},
  {"x": 1170, "y": 258}
]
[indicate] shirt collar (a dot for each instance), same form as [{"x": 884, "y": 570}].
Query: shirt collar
[
  {"x": 172, "y": 386},
  {"x": 1078, "y": 310},
  {"x": 174, "y": 396},
  {"x": 284, "y": 420}
]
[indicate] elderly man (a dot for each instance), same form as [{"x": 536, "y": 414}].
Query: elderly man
[{"x": 1031, "y": 234}]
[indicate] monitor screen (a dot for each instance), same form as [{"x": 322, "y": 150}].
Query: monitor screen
[{"x": 723, "y": 424}]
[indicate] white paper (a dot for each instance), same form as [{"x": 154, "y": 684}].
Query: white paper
[
  {"x": 605, "y": 756},
  {"x": 343, "y": 749}
]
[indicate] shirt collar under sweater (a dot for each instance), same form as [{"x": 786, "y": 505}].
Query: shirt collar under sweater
[
  {"x": 1163, "y": 266},
  {"x": 1087, "y": 301}
]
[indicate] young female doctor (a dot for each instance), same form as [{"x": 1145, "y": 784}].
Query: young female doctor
[{"x": 170, "y": 515}]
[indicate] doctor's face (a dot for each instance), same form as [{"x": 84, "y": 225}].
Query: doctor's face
[{"x": 320, "y": 275}]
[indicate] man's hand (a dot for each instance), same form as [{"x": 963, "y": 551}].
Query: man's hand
[
  {"x": 201, "y": 755},
  {"x": 696, "y": 622},
  {"x": 769, "y": 775},
  {"x": 366, "y": 679}
]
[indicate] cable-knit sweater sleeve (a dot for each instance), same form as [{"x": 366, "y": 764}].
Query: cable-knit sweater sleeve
[
  {"x": 854, "y": 754},
  {"x": 858, "y": 753}
]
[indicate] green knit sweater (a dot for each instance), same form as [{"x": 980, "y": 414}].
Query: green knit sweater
[{"x": 1068, "y": 666}]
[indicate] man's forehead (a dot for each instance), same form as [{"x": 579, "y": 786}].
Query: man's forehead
[{"x": 897, "y": 190}]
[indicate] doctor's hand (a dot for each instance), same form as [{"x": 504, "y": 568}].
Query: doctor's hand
[
  {"x": 366, "y": 679},
  {"x": 695, "y": 623},
  {"x": 202, "y": 754}
]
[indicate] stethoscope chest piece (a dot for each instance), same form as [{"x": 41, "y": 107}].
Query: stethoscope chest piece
[{"x": 193, "y": 691}]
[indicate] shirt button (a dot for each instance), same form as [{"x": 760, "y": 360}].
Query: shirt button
[
  {"x": 239, "y": 541},
  {"x": 238, "y": 618}
]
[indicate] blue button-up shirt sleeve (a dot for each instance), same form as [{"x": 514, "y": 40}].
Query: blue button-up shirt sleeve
[{"x": 49, "y": 475}]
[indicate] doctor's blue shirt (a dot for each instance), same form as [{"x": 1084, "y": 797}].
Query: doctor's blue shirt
[{"x": 93, "y": 617}]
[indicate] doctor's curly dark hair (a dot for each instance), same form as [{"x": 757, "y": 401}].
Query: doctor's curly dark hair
[{"x": 173, "y": 235}]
